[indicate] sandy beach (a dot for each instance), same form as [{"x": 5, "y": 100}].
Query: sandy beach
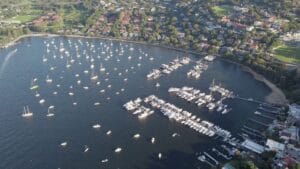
[{"x": 276, "y": 96}]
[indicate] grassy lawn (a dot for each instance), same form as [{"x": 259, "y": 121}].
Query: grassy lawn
[
  {"x": 221, "y": 10},
  {"x": 287, "y": 54},
  {"x": 25, "y": 18}
]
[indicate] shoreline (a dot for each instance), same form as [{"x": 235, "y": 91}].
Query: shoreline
[
  {"x": 15, "y": 41},
  {"x": 275, "y": 97}
]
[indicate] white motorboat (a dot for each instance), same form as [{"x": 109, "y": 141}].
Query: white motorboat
[
  {"x": 136, "y": 136},
  {"x": 108, "y": 132},
  {"x": 96, "y": 126},
  {"x": 152, "y": 140},
  {"x": 42, "y": 101},
  {"x": 104, "y": 160},
  {"x": 118, "y": 150},
  {"x": 63, "y": 144}
]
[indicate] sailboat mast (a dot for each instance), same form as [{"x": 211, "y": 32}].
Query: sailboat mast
[{"x": 28, "y": 109}]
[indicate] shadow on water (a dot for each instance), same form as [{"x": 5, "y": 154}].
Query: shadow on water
[{"x": 175, "y": 159}]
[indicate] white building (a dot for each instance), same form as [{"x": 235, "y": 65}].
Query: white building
[
  {"x": 295, "y": 111},
  {"x": 251, "y": 145},
  {"x": 274, "y": 145}
]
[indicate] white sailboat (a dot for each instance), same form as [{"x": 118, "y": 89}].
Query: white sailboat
[
  {"x": 152, "y": 140},
  {"x": 49, "y": 114},
  {"x": 48, "y": 80},
  {"x": 102, "y": 69},
  {"x": 86, "y": 149},
  {"x": 94, "y": 76},
  {"x": 159, "y": 156},
  {"x": 27, "y": 112}
]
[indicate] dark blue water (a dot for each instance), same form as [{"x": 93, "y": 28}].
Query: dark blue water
[{"x": 34, "y": 143}]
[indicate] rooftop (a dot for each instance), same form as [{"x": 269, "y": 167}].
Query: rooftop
[{"x": 251, "y": 145}]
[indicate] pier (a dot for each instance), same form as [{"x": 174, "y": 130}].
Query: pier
[
  {"x": 220, "y": 154},
  {"x": 213, "y": 159},
  {"x": 250, "y": 100},
  {"x": 251, "y": 133},
  {"x": 251, "y": 129},
  {"x": 266, "y": 116},
  {"x": 258, "y": 122},
  {"x": 270, "y": 111}
]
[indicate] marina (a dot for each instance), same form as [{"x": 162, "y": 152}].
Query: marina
[
  {"x": 166, "y": 69},
  {"x": 98, "y": 103}
]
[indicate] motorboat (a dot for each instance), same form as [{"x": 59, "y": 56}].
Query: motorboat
[
  {"x": 96, "y": 126},
  {"x": 118, "y": 150}
]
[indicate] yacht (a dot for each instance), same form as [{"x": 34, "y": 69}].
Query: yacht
[
  {"x": 159, "y": 156},
  {"x": 63, "y": 144},
  {"x": 27, "y": 112},
  {"x": 118, "y": 150},
  {"x": 37, "y": 94},
  {"x": 42, "y": 101},
  {"x": 92, "y": 66},
  {"x": 257, "y": 112},
  {"x": 94, "y": 77},
  {"x": 49, "y": 114},
  {"x": 104, "y": 161},
  {"x": 48, "y": 80},
  {"x": 96, "y": 126},
  {"x": 34, "y": 87},
  {"x": 201, "y": 158},
  {"x": 102, "y": 69},
  {"x": 108, "y": 132},
  {"x": 136, "y": 136},
  {"x": 175, "y": 135},
  {"x": 226, "y": 111},
  {"x": 86, "y": 149},
  {"x": 152, "y": 140}
]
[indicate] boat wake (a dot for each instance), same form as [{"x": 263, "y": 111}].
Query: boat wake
[{"x": 6, "y": 60}]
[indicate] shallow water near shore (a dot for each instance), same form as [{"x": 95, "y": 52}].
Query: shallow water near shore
[{"x": 35, "y": 142}]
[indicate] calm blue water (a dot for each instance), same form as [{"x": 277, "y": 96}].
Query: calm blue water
[{"x": 34, "y": 143}]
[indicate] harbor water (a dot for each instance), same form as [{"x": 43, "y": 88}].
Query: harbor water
[{"x": 35, "y": 142}]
